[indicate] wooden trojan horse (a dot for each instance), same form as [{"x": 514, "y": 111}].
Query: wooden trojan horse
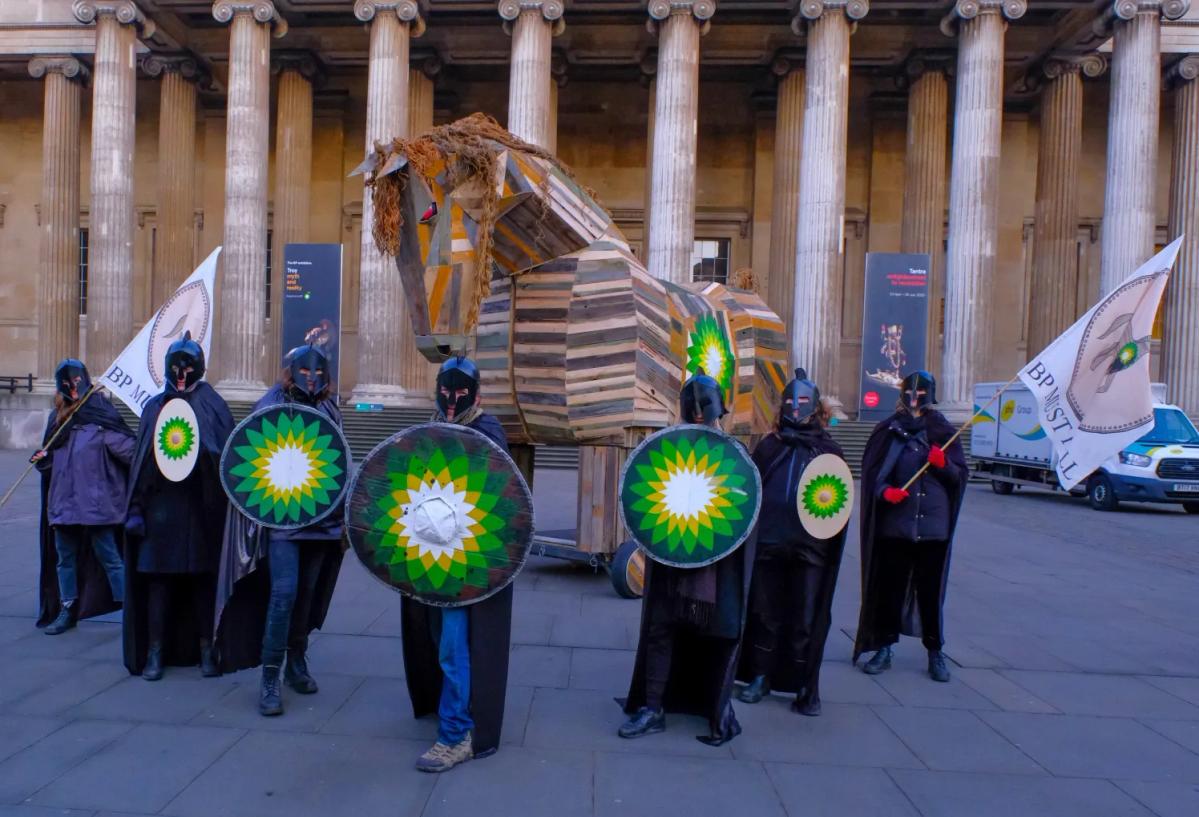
[{"x": 505, "y": 255}]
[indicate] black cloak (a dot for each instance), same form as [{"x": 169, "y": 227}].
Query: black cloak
[
  {"x": 769, "y": 455},
  {"x": 95, "y": 595},
  {"x": 878, "y": 458},
  {"x": 243, "y": 591},
  {"x": 182, "y": 647},
  {"x": 490, "y": 633}
]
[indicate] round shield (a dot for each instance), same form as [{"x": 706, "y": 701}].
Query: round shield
[
  {"x": 689, "y": 495},
  {"x": 441, "y": 513},
  {"x": 825, "y": 496},
  {"x": 176, "y": 440},
  {"x": 286, "y": 466}
]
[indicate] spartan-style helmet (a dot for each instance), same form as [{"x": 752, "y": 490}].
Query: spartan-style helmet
[
  {"x": 184, "y": 363},
  {"x": 801, "y": 398},
  {"x": 457, "y": 386},
  {"x": 918, "y": 390},
  {"x": 309, "y": 372},
  {"x": 701, "y": 395},
  {"x": 70, "y": 375}
]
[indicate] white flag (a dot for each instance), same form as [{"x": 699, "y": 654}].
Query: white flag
[
  {"x": 1092, "y": 383},
  {"x": 138, "y": 372}
]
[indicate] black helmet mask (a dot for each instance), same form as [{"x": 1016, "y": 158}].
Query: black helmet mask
[
  {"x": 71, "y": 379},
  {"x": 457, "y": 387},
  {"x": 309, "y": 372},
  {"x": 701, "y": 397},
  {"x": 918, "y": 391},
  {"x": 801, "y": 398},
  {"x": 184, "y": 364}
]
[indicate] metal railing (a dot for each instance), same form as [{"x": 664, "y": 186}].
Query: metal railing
[{"x": 16, "y": 382}]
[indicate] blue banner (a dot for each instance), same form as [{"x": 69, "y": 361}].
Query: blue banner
[
  {"x": 894, "y": 328},
  {"x": 312, "y": 300}
]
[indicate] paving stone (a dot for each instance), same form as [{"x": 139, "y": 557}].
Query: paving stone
[
  {"x": 584, "y": 719},
  {"x": 546, "y": 602},
  {"x": 48, "y": 759},
  {"x": 20, "y": 731},
  {"x": 39, "y": 811},
  {"x": 843, "y": 683},
  {"x": 71, "y": 644},
  {"x": 518, "y": 703},
  {"x": 611, "y": 607},
  {"x": 72, "y": 689},
  {"x": 517, "y": 781},
  {"x": 955, "y": 740},
  {"x": 359, "y": 655},
  {"x": 1165, "y": 799},
  {"x": 380, "y": 707},
  {"x": 953, "y": 794},
  {"x": 609, "y": 634},
  {"x": 1019, "y": 651},
  {"x": 915, "y": 688},
  {"x": 143, "y": 770},
  {"x": 844, "y": 735},
  {"x": 302, "y": 713},
  {"x": 12, "y": 629},
  {"x": 24, "y": 676},
  {"x": 177, "y": 698},
  {"x": 1001, "y": 691},
  {"x": 1185, "y": 688},
  {"x": 1183, "y": 732},
  {"x": 531, "y": 627},
  {"x": 317, "y": 775},
  {"x": 601, "y": 670},
  {"x": 1085, "y": 746},
  {"x": 21, "y": 605},
  {"x": 533, "y": 666},
  {"x": 1110, "y": 695},
  {"x": 626, "y": 786},
  {"x": 838, "y": 790}
]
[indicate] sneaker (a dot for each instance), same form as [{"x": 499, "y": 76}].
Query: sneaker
[
  {"x": 64, "y": 622},
  {"x": 938, "y": 670},
  {"x": 879, "y": 662},
  {"x": 442, "y": 757},
  {"x": 645, "y": 722}
]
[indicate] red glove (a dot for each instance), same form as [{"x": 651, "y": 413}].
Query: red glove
[
  {"x": 936, "y": 457},
  {"x": 894, "y": 495}
]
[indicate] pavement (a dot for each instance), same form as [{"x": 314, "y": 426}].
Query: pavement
[{"x": 1075, "y": 692}]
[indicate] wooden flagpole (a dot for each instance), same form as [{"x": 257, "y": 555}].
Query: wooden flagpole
[{"x": 46, "y": 447}]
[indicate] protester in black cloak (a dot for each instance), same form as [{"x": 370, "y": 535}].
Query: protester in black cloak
[
  {"x": 795, "y": 574},
  {"x": 692, "y": 620},
  {"x": 907, "y": 534},
  {"x": 464, "y": 683},
  {"x": 85, "y": 475},
  {"x": 173, "y": 531}
]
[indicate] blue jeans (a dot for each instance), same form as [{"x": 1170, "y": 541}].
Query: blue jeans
[
  {"x": 454, "y": 657},
  {"x": 68, "y": 539},
  {"x": 295, "y": 566}
]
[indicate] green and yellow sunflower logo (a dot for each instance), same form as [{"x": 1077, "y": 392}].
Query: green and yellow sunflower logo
[
  {"x": 290, "y": 465},
  {"x": 689, "y": 495},
  {"x": 1126, "y": 355},
  {"x": 442, "y": 515},
  {"x": 825, "y": 496},
  {"x": 709, "y": 349},
  {"x": 176, "y": 438}
]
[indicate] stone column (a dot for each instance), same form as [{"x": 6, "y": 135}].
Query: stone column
[
  {"x": 1129, "y": 208},
  {"x": 559, "y": 78},
  {"x": 58, "y": 257},
  {"x": 925, "y": 178},
  {"x": 532, "y": 23},
  {"x": 420, "y": 95},
  {"x": 680, "y": 23},
  {"x": 784, "y": 206},
  {"x": 819, "y": 249},
  {"x": 649, "y": 69},
  {"x": 973, "y": 194},
  {"x": 390, "y": 370},
  {"x": 110, "y": 250},
  {"x": 1180, "y": 334},
  {"x": 241, "y": 339},
  {"x": 174, "y": 243},
  {"x": 1051, "y": 303},
  {"x": 298, "y": 71}
]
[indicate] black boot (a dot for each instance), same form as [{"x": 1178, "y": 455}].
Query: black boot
[
  {"x": 295, "y": 674},
  {"x": 153, "y": 669},
  {"x": 65, "y": 621},
  {"x": 646, "y": 722},
  {"x": 756, "y": 691},
  {"x": 208, "y": 664},
  {"x": 721, "y": 733},
  {"x": 807, "y": 702},
  {"x": 270, "y": 702},
  {"x": 879, "y": 662},
  {"x": 937, "y": 668}
]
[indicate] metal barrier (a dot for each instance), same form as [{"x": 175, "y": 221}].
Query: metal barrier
[{"x": 13, "y": 383}]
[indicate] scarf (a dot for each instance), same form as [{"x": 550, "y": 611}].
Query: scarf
[{"x": 464, "y": 419}]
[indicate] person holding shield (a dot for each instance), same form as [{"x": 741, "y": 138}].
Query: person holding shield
[
  {"x": 174, "y": 519},
  {"x": 913, "y": 484},
  {"x": 795, "y": 572},
  {"x": 692, "y": 618}
]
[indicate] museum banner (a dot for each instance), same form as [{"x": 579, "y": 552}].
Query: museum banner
[
  {"x": 894, "y": 328},
  {"x": 312, "y": 300}
]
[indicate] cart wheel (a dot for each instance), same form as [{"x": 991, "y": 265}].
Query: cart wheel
[
  {"x": 1101, "y": 494},
  {"x": 1191, "y": 507},
  {"x": 628, "y": 571},
  {"x": 1002, "y": 488}
]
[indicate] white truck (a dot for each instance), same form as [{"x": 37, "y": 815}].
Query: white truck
[{"x": 1010, "y": 448}]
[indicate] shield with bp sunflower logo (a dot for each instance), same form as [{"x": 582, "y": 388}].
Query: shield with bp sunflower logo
[
  {"x": 825, "y": 496},
  {"x": 176, "y": 440},
  {"x": 690, "y": 495},
  {"x": 441, "y": 513},
  {"x": 709, "y": 349},
  {"x": 286, "y": 466}
]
